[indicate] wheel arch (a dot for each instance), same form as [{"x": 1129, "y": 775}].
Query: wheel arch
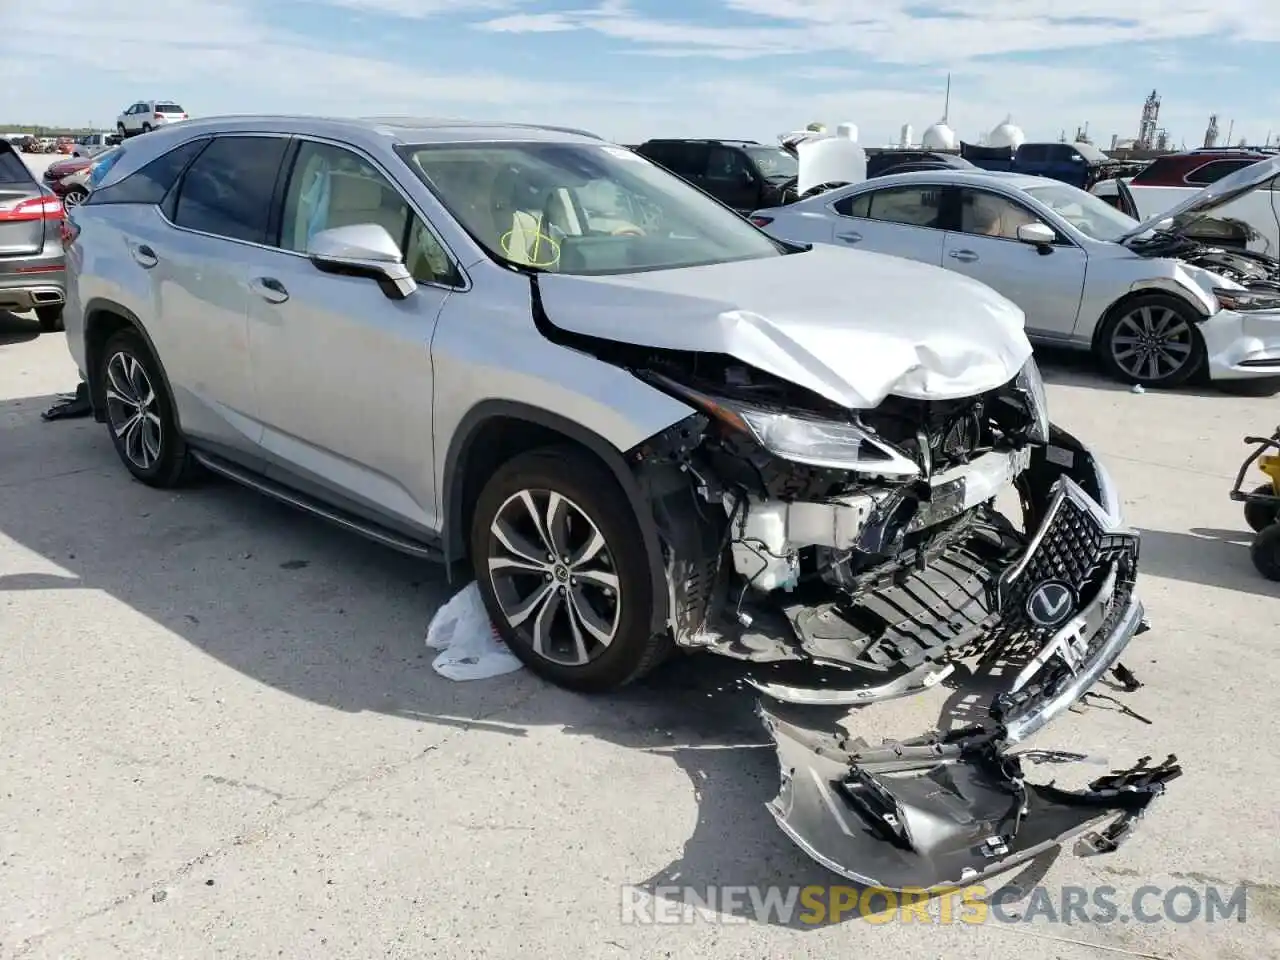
[
  {"x": 493, "y": 432},
  {"x": 1196, "y": 300},
  {"x": 103, "y": 319}
]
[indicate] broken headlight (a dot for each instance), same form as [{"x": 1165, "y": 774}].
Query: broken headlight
[
  {"x": 1031, "y": 385},
  {"x": 1242, "y": 299},
  {"x": 824, "y": 443}
]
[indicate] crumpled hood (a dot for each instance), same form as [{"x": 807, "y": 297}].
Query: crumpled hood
[
  {"x": 1215, "y": 195},
  {"x": 852, "y": 326}
]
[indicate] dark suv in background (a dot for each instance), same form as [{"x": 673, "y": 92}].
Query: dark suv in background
[{"x": 742, "y": 174}]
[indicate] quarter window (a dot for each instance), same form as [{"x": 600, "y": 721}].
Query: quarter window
[
  {"x": 1215, "y": 170},
  {"x": 332, "y": 187},
  {"x": 227, "y": 190},
  {"x": 152, "y": 182}
]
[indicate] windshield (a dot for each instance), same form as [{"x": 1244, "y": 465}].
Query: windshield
[
  {"x": 1091, "y": 153},
  {"x": 1091, "y": 215},
  {"x": 774, "y": 162},
  {"x": 585, "y": 209}
]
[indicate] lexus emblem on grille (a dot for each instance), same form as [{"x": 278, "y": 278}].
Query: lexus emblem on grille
[{"x": 1051, "y": 603}]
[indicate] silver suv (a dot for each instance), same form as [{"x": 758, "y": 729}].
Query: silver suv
[{"x": 645, "y": 425}]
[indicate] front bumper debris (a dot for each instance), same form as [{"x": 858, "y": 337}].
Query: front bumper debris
[
  {"x": 936, "y": 813},
  {"x": 943, "y": 810}
]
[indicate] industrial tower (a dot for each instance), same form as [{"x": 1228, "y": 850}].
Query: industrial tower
[
  {"x": 1150, "y": 116},
  {"x": 1211, "y": 133}
]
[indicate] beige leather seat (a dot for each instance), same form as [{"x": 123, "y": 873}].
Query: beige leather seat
[{"x": 354, "y": 199}]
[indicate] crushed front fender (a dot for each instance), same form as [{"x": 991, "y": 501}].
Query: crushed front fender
[{"x": 938, "y": 813}]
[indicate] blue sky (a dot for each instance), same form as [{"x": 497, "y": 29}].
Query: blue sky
[{"x": 629, "y": 69}]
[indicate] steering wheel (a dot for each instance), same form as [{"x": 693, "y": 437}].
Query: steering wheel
[{"x": 627, "y": 231}]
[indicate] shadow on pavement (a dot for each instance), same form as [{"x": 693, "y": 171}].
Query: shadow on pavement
[
  {"x": 1079, "y": 368},
  {"x": 229, "y": 571},
  {"x": 17, "y": 329},
  {"x": 1214, "y": 558}
]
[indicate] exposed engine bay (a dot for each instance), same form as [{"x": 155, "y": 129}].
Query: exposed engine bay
[
  {"x": 1252, "y": 270},
  {"x": 850, "y": 557}
]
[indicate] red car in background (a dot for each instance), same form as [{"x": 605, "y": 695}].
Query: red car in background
[{"x": 59, "y": 170}]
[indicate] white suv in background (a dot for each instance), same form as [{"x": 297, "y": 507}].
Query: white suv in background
[{"x": 145, "y": 115}]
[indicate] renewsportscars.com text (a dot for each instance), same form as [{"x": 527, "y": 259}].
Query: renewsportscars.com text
[{"x": 969, "y": 905}]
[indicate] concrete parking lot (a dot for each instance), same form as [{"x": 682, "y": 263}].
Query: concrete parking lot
[{"x": 220, "y": 733}]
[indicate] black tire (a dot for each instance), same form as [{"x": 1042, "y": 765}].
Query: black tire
[
  {"x": 1188, "y": 343},
  {"x": 74, "y": 197},
  {"x": 1265, "y": 552},
  {"x": 1260, "y": 515},
  {"x": 122, "y": 131},
  {"x": 50, "y": 318},
  {"x": 164, "y": 460},
  {"x": 146, "y": 128},
  {"x": 595, "y": 497}
]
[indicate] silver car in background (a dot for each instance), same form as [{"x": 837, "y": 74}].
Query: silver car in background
[
  {"x": 1156, "y": 307},
  {"x": 645, "y": 426}
]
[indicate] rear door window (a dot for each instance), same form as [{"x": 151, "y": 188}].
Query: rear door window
[
  {"x": 12, "y": 169},
  {"x": 227, "y": 191},
  {"x": 915, "y": 206}
]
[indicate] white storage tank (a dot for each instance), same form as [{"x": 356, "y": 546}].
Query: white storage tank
[
  {"x": 1007, "y": 134},
  {"x": 939, "y": 136}
]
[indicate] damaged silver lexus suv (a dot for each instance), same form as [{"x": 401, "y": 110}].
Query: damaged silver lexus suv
[{"x": 647, "y": 426}]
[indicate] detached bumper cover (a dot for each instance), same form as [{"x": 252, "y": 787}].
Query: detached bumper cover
[
  {"x": 925, "y": 814},
  {"x": 939, "y": 811}
]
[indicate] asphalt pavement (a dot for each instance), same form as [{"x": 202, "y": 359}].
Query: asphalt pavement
[{"x": 221, "y": 736}]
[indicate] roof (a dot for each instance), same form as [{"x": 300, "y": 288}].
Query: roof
[
  {"x": 398, "y": 129},
  {"x": 962, "y": 177}
]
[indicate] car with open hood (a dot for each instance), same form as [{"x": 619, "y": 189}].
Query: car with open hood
[
  {"x": 646, "y": 428},
  {"x": 1156, "y": 306}
]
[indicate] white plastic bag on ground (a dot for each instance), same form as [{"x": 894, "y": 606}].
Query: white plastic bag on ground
[{"x": 470, "y": 648}]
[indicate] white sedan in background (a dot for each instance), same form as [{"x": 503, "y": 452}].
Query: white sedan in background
[{"x": 1155, "y": 307}]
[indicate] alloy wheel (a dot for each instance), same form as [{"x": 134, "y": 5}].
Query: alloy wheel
[
  {"x": 554, "y": 577},
  {"x": 1152, "y": 343},
  {"x": 73, "y": 198},
  {"x": 132, "y": 410}
]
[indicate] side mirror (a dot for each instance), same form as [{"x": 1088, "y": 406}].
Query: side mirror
[
  {"x": 363, "y": 250},
  {"x": 1036, "y": 234}
]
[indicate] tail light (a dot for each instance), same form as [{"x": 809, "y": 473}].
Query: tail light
[
  {"x": 37, "y": 208},
  {"x": 762, "y": 221}
]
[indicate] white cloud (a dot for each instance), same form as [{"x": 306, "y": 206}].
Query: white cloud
[{"x": 236, "y": 62}]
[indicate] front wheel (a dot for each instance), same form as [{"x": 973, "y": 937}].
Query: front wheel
[
  {"x": 557, "y": 554},
  {"x": 121, "y": 130},
  {"x": 1152, "y": 340},
  {"x": 1265, "y": 552},
  {"x": 140, "y": 413},
  {"x": 74, "y": 197}
]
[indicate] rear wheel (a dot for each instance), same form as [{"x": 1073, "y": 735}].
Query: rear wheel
[
  {"x": 50, "y": 318},
  {"x": 1152, "y": 340},
  {"x": 140, "y": 413},
  {"x": 1266, "y": 552},
  {"x": 557, "y": 556},
  {"x": 146, "y": 128}
]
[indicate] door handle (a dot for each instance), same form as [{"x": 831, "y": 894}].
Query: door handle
[
  {"x": 269, "y": 289},
  {"x": 964, "y": 256},
  {"x": 849, "y": 237},
  {"x": 144, "y": 255}
]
